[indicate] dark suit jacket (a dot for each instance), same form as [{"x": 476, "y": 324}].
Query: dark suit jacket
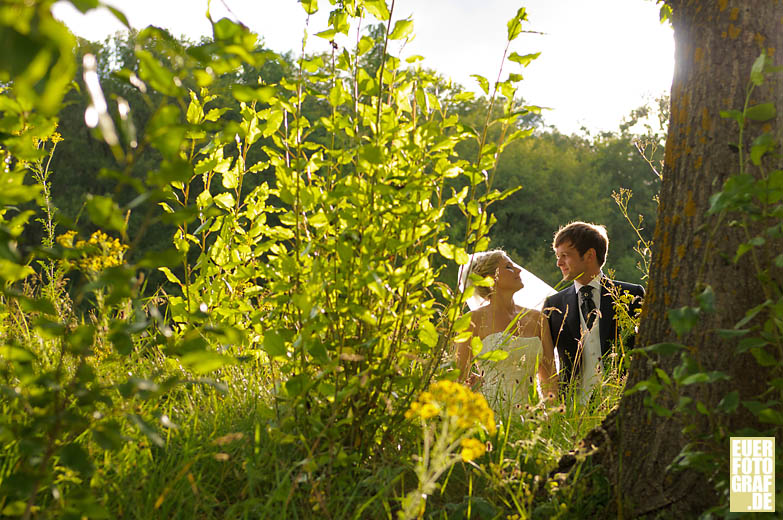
[{"x": 562, "y": 309}]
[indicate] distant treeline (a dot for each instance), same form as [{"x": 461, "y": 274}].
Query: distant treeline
[{"x": 563, "y": 177}]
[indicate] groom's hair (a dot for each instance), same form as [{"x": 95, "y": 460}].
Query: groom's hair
[{"x": 583, "y": 236}]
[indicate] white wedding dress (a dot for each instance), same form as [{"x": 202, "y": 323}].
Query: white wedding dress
[{"x": 507, "y": 382}]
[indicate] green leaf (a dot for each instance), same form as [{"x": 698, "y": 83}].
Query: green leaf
[
  {"x": 663, "y": 376},
  {"x": 318, "y": 220},
  {"x": 736, "y": 115},
  {"x": 665, "y": 13},
  {"x": 157, "y": 75},
  {"x": 378, "y": 9},
  {"x": 751, "y": 313},
  {"x": 772, "y": 192},
  {"x": 248, "y": 94},
  {"x": 12, "y": 272},
  {"x": 172, "y": 171},
  {"x": 328, "y": 34},
  {"x": 476, "y": 345},
  {"x": 760, "y": 65},
  {"x": 462, "y": 337},
  {"x": 274, "y": 344},
  {"x": 119, "y": 15},
  {"x": 428, "y": 334},
  {"x": 755, "y": 407},
  {"x": 17, "y": 508},
  {"x": 523, "y": 60},
  {"x": 18, "y": 354},
  {"x": 659, "y": 410},
  {"x": 462, "y": 323},
  {"x": 704, "y": 377},
  {"x": 762, "y": 112},
  {"x": 493, "y": 355},
  {"x": 763, "y": 357},
  {"x": 365, "y": 44},
  {"x": 372, "y": 154},
  {"x": 700, "y": 377},
  {"x": 741, "y": 250},
  {"x": 230, "y": 178},
  {"x": 195, "y": 111},
  {"x": 203, "y": 361},
  {"x": 648, "y": 385},
  {"x": 296, "y": 385},
  {"x": 310, "y": 6},
  {"x": 515, "y": 78},
  {"x": 683, "y": 319},
  {"x": 41, "y": 305},
  {"x": 165, "y": 132},
  {"x": 446, "y": 250},
  {"x": 662, "y": 349},
  {"x": 769, "y": 415},
  {"x": 707, "y": 300},
  {"x": 514, "y": 25},
  {"x": 749, "y": 343},
  {"x": 461, "y": 256},
  {"x": 171, "y": 277},
  {"x": 81, "y": 339},
  {"x": 402, "y": 29},
  {"x": 122, "y": 342},
  {"x": 729, "y": 403},
  {"x": 312, "y": 65},
  {"x": 74, "y": 457},
  {"x": 338, "y": 19},
  {"x": 483, "y": 82},
  {"x": 84, "y": 5},
  {"x": 762, "y": 145},
  {"x": 731, "y": 333},
  {"x": 105, "y": 213},
  {"x": 224, "y": 201},
  {"x": 228, "y": 31}
]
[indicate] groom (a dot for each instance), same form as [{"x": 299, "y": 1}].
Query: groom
[{"x": 582, "y": 316}]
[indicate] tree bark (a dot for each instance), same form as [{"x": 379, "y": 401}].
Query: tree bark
[{"x": 716, "y": 45}]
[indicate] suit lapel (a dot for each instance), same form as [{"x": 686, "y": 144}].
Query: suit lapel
[{"x": 572, "y": 317}]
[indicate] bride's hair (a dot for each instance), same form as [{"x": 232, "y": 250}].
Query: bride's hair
[{"x": 482, "y": 264}]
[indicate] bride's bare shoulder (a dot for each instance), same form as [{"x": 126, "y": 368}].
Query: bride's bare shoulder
[{"x": 478, "y": 314}]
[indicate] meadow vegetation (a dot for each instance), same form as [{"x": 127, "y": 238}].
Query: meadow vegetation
[{"x": 233, "y": 296}]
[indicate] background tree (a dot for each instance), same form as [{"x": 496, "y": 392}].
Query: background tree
[{"x": 717, "y": 44}]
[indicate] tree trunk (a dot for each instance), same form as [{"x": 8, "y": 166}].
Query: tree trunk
[{"x": 716, "y": 44}]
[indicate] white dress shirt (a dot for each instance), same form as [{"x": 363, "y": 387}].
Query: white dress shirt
[{"x": 590, "y": 342}]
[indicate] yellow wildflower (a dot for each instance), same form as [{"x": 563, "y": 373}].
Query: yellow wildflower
[
  {"x": 457, "y": 401},
  {"x": 98, "y": 253},
  {"x": 428, "y": 411},
  {"x": 472, "y": 449},
  {"x": 66, "y": 239}
]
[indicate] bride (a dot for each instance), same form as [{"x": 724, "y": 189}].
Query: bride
[{"x": 515, "y": 339}]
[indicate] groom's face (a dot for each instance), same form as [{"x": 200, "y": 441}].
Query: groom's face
[{"x": 571, "y": 263}]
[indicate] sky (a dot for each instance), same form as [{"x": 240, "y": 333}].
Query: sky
[{"x": 600, "y": 59}]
